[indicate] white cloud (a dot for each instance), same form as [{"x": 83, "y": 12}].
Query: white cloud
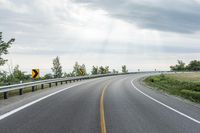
[
  {"x": 92, "y": 34},
  {"x": 11, "y": 6}
]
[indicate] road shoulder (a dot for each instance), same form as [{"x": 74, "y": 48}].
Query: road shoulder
[{"x": 20, "y": 100}]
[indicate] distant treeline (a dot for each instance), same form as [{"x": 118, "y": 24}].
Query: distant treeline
[
  {"x": 194, "y": 65},
  {"x": 15, "y": 75}
]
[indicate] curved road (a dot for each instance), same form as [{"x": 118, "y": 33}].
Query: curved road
[{"x": 119, "y": 104}]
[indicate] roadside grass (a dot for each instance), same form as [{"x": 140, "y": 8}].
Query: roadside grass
[
  {"x": 186, "y": 85},
  {"x": 188, "y": 77}
]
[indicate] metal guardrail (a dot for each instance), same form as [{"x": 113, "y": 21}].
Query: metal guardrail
[{"x": 6, "y": 89}]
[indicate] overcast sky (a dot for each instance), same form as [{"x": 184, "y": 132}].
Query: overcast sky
[{"x": 143, "y": 34}]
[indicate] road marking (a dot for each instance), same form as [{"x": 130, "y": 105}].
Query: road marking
[
  {"x": 36, "y": 101},
  {"x": 102, "y": 112},
  {"x": 102, "y": 115},
  {"x": 180, "y": 113}
]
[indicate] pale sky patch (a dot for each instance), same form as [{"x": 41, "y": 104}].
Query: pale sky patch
[{"x": 139, "y": 33}]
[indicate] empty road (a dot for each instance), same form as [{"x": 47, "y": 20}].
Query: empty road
[{"x": 118, "y": 104}]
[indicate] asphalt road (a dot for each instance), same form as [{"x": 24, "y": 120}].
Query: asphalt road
[{"x": 111, "y": 104}]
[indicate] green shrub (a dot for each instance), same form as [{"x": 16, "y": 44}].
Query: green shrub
[
  {"x": 192, "y": 95},
  {"x": 189, "y": 90}
]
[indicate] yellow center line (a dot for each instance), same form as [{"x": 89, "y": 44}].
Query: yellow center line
[{"x": 102, "y": 114}]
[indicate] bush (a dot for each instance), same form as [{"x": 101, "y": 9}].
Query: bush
[
  {"x": 192, "y": 95},
  {"x": 189, "y": 90}
]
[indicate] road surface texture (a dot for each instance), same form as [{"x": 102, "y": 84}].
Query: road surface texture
[{"x": 117, "y": 104}]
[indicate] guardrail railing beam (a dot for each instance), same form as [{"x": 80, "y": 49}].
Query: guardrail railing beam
[{"x": 34, "y": 85}]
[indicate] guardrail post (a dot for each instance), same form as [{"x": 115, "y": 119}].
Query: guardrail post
[
  {"x": 5, "y": 95},
  {"x": 66, "y": 81},
  {"x": 56, "y": 83},
  {"x": 61, "y": 82},
  {"x": 42, "y": 86},
  {"x": 33, "y": 88},
  {"x": 20, "y": 91},
  {"x": 49, "y": 85}
]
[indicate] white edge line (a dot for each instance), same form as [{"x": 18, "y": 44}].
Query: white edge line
[
  {"x": 180, "y": 113},
  {"x": 36, "y": 101}
]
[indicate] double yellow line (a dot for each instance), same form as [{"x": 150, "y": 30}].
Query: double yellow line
[{"x": 102, "y": 113}]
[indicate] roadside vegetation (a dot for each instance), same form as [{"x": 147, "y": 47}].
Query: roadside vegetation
[
  {"x": 194, "y": 65},
  {"x": 186, "y": 85},
  {"x": 15, "y": 75}
]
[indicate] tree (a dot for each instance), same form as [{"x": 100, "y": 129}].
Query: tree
[
  {"x": 79, "y": 70},
  {"x": 124, "y": 69},
  {"x": 115, "y": 72},
  {"x": 104, "y": 70},
  {"x": 193, "y": 66},
  {"x": 179, "y": 67},
  {"x": 4, "y": 48},
  {"x": 57, "y": 68},
  {"x": 3, "y": 78},
  {"x": 48, "y": 76},
  {"x": 16, "y": 75},
  {"x": 94, "y": 70},
  {"x": 107, "y": 69},
  {"x": 71, "y": 74},
  {"x": 76, "y": 69},
  {"x": 101, "y": 70}
]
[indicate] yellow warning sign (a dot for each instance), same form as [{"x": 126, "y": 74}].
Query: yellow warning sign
[
  {"x": 82, "y": 71},
  {"x": 35, "y": 73}
]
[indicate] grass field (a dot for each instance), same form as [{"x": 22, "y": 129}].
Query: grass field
[
  {"x": 186, "y": 85},
  {"x": 188, "y": 77}
]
